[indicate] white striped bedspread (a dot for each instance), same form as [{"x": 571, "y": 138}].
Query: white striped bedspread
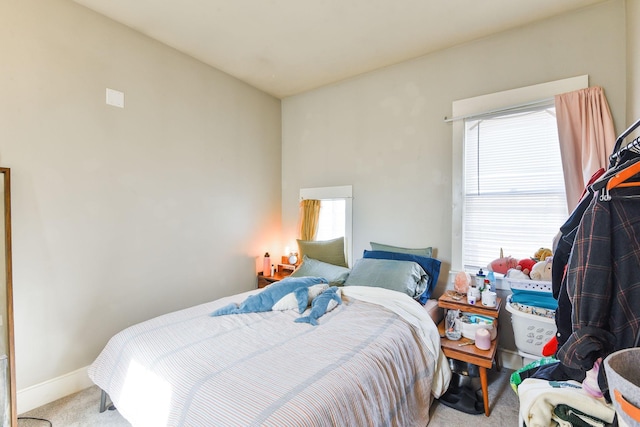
[{"x": 363, "y": 365}]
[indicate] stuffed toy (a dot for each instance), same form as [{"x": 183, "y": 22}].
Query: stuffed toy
[
  {"x": 525, "y": 265},
  {"x": 502, "y": 265},
  {"x": 290, "y": 301},
  {"x": 518, "y": 274},
  {"x": 265, "y": 300},
  {"x": 323, "y": 303},
  {"x": 542, "y": 270},
  {"x": 542, "y": 254}
]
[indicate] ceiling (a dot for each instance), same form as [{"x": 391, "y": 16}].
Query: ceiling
[{"x": 285, "y": 47}]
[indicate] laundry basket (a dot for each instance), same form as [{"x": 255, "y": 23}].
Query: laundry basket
[
  {"x": 623, "y": 376},
  {"x": 531, "y": 332},
  {"x": 533, "y": 292}
]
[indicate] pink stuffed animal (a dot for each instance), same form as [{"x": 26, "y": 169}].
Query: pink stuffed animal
[{"x": 502, "y": 264}]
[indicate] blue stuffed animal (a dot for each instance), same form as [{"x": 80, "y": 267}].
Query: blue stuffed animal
[
  {"x": 266, "y": 299},
  {"x": 320, "y": 306}
]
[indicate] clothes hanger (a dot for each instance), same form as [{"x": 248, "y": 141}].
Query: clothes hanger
[
  {"x": 619, "y": 179},
  {"x": 603, "y": 180},
  {"x": 616, "y": 168}
]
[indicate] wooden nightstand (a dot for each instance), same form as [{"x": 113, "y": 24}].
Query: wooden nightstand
[
  {"x": 279, "y": 275},
  {"x": 470, "y": 353}
]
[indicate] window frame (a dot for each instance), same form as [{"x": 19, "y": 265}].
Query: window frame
[{"x": 494, "y": 102}]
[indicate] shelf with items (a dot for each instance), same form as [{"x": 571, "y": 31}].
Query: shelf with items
[
  {"x": 449, "y": 300},
  {"x": 280, "y": 271},
  {"x": 464, "y": 350}
]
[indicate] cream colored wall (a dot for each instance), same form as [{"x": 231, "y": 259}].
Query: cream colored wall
[
  {"x": 120, "y": 215},
  {"x": 383, "y": 132},
  {"x": 633, "y": 58}
]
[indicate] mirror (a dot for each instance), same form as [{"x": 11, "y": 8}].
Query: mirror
[
  {"x": 8, "y": 407},
  {"x": 343, "y": 195}
]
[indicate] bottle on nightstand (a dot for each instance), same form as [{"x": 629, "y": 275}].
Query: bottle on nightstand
[{"x": 266, "y": 266}]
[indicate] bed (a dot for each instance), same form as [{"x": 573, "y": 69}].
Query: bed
[{"x": 373, "y": 360}]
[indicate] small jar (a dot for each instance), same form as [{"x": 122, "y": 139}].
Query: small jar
[
  {"x": 453, "y": 327},
  {"x": 473, "y": 294},
  {"x": 483, "y": 339}
]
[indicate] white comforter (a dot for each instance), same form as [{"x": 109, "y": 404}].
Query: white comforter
[{"x": 363, "y": 365}]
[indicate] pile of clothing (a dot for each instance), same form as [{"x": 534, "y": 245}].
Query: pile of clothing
[{"x": 546, "y": 401}]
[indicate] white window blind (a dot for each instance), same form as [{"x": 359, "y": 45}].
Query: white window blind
[{"x": 514, "y": 196}]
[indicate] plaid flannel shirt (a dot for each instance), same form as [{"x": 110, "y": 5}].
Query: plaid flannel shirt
[{"x": 603, "y": 280}]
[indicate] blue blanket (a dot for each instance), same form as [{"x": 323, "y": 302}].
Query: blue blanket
[{"x": 265, "y": 300}]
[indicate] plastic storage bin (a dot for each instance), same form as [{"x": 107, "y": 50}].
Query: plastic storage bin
[
  {"x": 469, "y": 328},
  {"x": 531, "y": 332},
  {"x": 529, "y": 285},
  {"x": 533, "y": 292}
]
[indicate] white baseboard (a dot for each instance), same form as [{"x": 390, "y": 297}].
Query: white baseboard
[{"x": 53, "y": 389}]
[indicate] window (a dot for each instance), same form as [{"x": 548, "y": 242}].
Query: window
[
  {"x": 335, "y": 214},
  {"x": 514, "y": 195},
  {"x": 331, "y": 223},
  {"x": 508, "y": 186}
]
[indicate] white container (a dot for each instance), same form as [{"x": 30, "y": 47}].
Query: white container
[
  {"x": 531, "y": 332},
  {"x": 489, "y": 299},
  {"x": 529, "y": 285},
  {"x": 469, "y": 329}
]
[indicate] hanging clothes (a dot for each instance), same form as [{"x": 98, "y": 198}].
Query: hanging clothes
[
  {"x": 603, "y": 280},
  {"x": 560, "y": 261},
  {"x": 594, "y": 273}
]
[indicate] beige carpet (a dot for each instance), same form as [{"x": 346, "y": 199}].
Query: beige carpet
[{"x": 81, "y": 410}]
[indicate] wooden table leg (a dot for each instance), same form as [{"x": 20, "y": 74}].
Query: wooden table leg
[{"x": 485, "y": 389}]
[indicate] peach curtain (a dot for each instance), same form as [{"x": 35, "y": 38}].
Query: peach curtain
[
  {"x": 587, "y": 137},
  {"x": 309, "y": 214}
]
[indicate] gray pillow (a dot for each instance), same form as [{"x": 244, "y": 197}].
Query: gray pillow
[
  {"x": 329, "y": 251},
  {"x": 335, "y": 274},
  {"x": 388, "y": 248},
  {"x": 402, "y": 276}
]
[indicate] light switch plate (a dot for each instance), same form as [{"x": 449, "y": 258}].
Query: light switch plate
[{"x": 115, "y": 98}]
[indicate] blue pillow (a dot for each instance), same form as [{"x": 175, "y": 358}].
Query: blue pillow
[{"x": 430, "y": 265}]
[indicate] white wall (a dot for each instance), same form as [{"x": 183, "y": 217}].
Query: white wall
[
  {"x": 633, "y": 58},
  {"x": 120, "y": 215},
  {"x": 383, "y": 132}
]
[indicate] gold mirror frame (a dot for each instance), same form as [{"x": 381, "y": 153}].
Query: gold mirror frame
[{"x": 11, "y": 380}]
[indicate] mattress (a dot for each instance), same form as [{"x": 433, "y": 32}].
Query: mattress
[
  {"x": 374, "y": 360},
  {"x": 434, "y": 311}
]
